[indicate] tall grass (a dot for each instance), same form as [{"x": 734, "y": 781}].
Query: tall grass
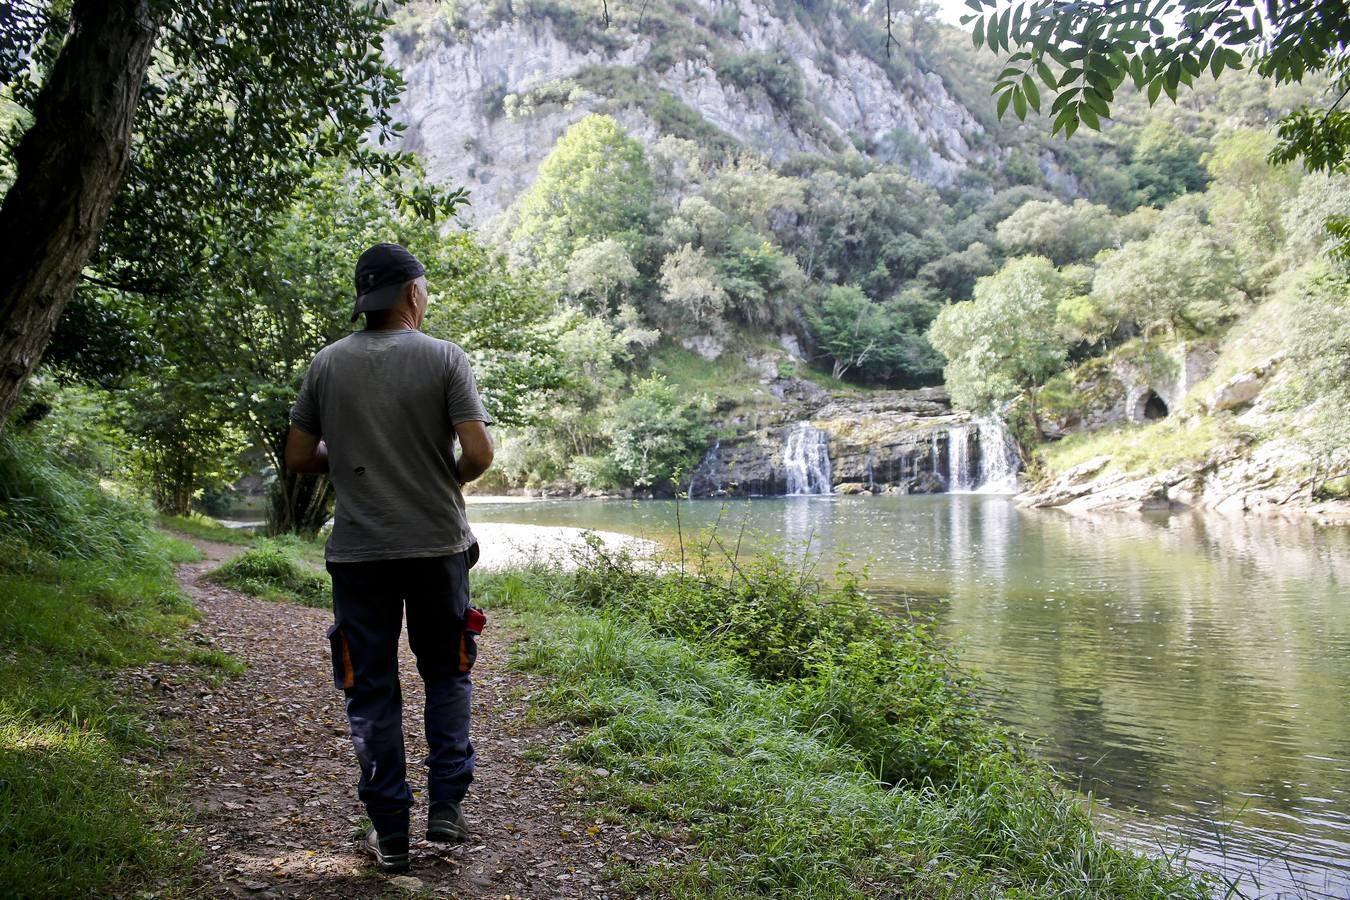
[
  {"x": 49, "y": 508},
  {"x": 277, "y": 569},
  {"x": 86, "y": 587},
  {"x": 810, "y": 747}
]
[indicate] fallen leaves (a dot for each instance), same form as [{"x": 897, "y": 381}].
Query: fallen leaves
[{"x": 272, "y": 774}]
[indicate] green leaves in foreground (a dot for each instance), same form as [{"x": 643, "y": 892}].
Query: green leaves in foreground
[{"x": 1082, "y": 51}]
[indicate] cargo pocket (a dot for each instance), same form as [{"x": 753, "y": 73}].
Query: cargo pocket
[
  {"x": 344, "y": 676},
  {"x": 468, "y": 651}
]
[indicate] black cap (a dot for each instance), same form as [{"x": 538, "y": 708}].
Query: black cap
[{"x": 381, "y": 273}]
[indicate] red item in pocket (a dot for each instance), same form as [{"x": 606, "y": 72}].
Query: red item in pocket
[{"x": 474, "y": 620}]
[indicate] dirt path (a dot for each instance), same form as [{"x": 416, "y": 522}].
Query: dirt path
[{"x": 272, "y": 774}]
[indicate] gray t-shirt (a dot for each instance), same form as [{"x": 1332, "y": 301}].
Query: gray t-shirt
[{"x": 386, "y": 403}]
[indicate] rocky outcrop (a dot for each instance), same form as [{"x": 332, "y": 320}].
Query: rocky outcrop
[
  {"x": 1266, "y": 478},
  {"x": 1145, "y": 384},
  {"x": 1245, "y": 470},
  {"x": 487, "y": 98},
  {"x": 1242, "y": 388},
  {"x": 896, "y": 442}
]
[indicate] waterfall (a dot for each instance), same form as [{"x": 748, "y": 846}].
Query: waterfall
[
  {"x": 806, "y": 460},
  {"x": 998, "y": 459},
  {"x": 962, "y": 477}
]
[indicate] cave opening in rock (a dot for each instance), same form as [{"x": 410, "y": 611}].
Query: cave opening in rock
[{"x": 1154, "y": 407}]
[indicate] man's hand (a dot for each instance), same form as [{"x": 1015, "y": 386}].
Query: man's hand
[
  {"x": 305, "y": 452},
  {"x": 475, "y": 451}
]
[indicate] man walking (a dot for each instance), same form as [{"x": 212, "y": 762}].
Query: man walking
[{"x": 380, "y": 411}]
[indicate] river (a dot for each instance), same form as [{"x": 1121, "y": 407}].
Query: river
[{"x": 1191, "y": 670}]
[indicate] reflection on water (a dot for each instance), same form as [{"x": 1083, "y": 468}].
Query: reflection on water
[{"x": 1190, "y": 669}]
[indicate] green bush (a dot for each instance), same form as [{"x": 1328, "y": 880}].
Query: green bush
[
  {"x": 884, "y": 690},
  {"x": 273, "y": 571}
]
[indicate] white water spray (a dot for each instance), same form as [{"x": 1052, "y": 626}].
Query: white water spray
[
  {"x": 806, "y": 460},
  {"x": 999, "y": 461}
]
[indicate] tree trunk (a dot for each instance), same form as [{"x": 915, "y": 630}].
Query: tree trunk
[
  {"x": 69, "y": 167},
  {"x": 300, "y": 504}
]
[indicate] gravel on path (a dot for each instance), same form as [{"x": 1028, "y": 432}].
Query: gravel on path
[{"x": 271, "y": 775}]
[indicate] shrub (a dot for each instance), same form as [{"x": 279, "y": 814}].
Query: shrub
[{"x": 272, "y": 571}]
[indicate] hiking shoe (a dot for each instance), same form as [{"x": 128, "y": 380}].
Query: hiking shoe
[
  {"x": 390, "y": 851},
  {"x": 445, "y": 823}
]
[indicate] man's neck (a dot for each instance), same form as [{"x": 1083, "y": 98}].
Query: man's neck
[{"x": 398, "y": 323}]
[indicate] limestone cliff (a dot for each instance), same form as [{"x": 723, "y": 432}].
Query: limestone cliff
[{"x": 491, "y": 87}]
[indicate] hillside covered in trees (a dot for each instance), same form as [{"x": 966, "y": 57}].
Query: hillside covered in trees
[{"x": 724, "y": 196}]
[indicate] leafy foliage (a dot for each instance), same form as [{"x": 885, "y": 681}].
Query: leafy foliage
[
  {"x": 595, "y": 184},
  {"x": 1003, "y": 345},
  {"x": 240, "y": 105},
  {"x": 1180, "y": 279},
  {"x": 1082, "y": 52},
  {"x": 877, "y": 339},
  {"x": 1317, "y": 339},
  {"x": 656, "y": 434}
]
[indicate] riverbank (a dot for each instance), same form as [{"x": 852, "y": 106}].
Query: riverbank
[
  {"x": 764, "y": 742},
  {"x": 1112, "y": 641}
]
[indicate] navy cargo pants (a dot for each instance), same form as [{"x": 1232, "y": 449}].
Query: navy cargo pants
[{"x": 368, "y": 603}]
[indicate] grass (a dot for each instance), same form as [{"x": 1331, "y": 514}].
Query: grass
[
  {"x": 726, "y": 377},
  {"x": 1142, "y": 449},
  {"x": 207, "y": 529},
  {"x": 805, "y": 745},
  {"x": 278, "y": 569},
  {"x": 86, "y": 588}
]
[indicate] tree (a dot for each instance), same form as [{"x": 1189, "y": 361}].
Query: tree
[
  {"x": 1003, "y": 345},
  {"x": 232, "y": 104},
  {"x": 656, "y": 434},
  {"x": 760, "y": 280},
  {"x": 1246, "y": 202},
  {"x": 876, "y": 341},
  {"x": 599, "y": 273},
  {"x": 499, "y": 315},
  {"x": 689, "y": 284},
  {"x": 1166, "y": 164},
  {"x": 1180, "y": 278},
  {"x": 246, "y": 343},
  {"x": 571, "y": 438},
  {"x": 954, "y": 275},
  {"x": 1065, "y": 233},
  {"x": 849, "y": 327},
  {"x": 69, "y": 166},
  {"x": 1317, "y": 340},
  {"x": 1320, "y": 198},
  {"x": 182, "y": 442},
  {"x": 876, "y": 230},
  {"x": 594, "y": 184},
  {"x": 1081, "y": 52}
]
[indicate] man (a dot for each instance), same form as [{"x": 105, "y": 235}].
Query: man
[{"x": 380, "y": 411}]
